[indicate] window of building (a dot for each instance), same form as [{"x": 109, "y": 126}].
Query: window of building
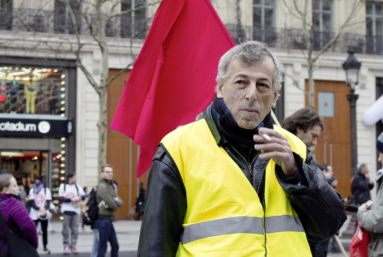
[
  {"x": 6, "y": 8},
  {"x": 321, "y": 22},
  {"x": 133, "y": 24},
  {"x": 374, "y": 27},
  {"x": 63, "y": 22},
  {"x": 30, "y": 90},
  {"x": 264, "y": 21}
]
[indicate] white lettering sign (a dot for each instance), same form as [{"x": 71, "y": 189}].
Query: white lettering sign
[{"x": 8, "y": 126}]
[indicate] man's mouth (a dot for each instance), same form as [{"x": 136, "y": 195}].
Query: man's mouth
[{"x": 250, "y": 111}]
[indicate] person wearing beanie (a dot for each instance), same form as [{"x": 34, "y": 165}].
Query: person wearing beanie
[
  {"x": 71, "y": 196},
  {"x": 40, "y": 198},
  {"x": 372, "y": 220}
]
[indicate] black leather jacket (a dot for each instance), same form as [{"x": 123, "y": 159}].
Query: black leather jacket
[{"x": 318, "y": 205}]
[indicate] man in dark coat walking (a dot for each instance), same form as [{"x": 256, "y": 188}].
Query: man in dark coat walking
[{"x": 361, "y": 185}]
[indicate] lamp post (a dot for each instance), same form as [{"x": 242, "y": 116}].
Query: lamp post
[{"x": 352, "y": 66}]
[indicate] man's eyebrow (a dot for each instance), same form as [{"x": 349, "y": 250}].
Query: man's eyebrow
[
  {"x": 241, "y": 76},
  {"x": 264, "y": 79}
]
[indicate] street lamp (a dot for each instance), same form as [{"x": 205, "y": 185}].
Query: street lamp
[{"x": 352, "y": 66}]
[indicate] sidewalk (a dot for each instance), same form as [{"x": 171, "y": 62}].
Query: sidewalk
[{"x": 128, "y": 232}]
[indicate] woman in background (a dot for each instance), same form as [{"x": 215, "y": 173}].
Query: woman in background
[{"x": 15, "y": 215}]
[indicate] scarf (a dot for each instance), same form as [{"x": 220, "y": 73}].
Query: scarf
[
  {"x": 38, "y": 187},
  {"x": 227, "y": 125}
]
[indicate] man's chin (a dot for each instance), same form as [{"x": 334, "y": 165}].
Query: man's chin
[{"x": 250, "y": 125}]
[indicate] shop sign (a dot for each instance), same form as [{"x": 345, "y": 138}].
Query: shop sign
[{"x": 36, "y": 127}]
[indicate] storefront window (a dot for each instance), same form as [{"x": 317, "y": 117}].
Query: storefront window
[
  {"x": 25, "y": 165},
  {"x": 30, "y": 90}
]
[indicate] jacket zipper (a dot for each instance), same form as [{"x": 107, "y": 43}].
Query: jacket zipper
[
  {"x": 251, "y": 182},
  {"x": 248, "y": 164}
]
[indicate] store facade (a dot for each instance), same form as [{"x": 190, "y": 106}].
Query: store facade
[{"x": 37, "y": 119}]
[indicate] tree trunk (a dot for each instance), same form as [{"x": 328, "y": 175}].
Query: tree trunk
[
  {"x": 311, "y": 86},
  {"x": 102, "y": 128}
]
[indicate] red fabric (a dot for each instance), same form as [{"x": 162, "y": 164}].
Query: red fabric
[
  {"x": 359, "y": 243},
  {"x": 173, "y": 78}
]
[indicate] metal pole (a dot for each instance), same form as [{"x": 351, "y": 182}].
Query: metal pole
[
  {"x": 354, "y": 147},
  {"x": 130, "y": 173}
]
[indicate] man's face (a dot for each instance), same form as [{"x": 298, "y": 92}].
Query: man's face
[
  {"x": 108, "y": 173},
  {"x": 248, "y": 92},
  {"x": 72, "y": 179},
  {"x": 364, "y": 170},
  {"x": 310, "y": 136},
  {"x": 380, "y": 159}
]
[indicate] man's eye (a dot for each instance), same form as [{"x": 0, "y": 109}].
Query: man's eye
[
  {"x": 240, "y": 82},
  {"x": 263, "y": 85}
]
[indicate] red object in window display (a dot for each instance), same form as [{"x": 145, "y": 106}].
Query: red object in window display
[{"x": 3, "y": 92}]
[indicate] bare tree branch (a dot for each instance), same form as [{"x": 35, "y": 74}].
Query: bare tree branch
[
  {"x": 296, "y": 83},
  {"x": 131, "y": 10}
]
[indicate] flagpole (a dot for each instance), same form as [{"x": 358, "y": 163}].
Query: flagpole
[{"x": 275, "y": 119}]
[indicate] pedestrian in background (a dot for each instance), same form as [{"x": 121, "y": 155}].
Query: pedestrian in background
[
  {"x": 372, "y": 220},
  {"x": 329, "y": 175},
  {"x": 140, "y": 202},
  {"x": 71, "y": 196},
  {"x": 115, "y": 185},
  {"x": 14, "y": 214},
  {"x": 360, "y": 188},
  {"x": 306, "y": 124},
  {"x": 361, "y": 185},
  {"x": 83, "y": 208},
  {"x": 108, "y": 202},
  {"x": 40, "y": 198}
]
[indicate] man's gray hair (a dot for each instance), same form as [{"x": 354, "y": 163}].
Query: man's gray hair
[{"x": 249, "y": 52}]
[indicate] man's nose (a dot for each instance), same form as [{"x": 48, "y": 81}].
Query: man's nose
[
  {"x": 314, "y": 142},
  {"x": 251, "y": 92}
]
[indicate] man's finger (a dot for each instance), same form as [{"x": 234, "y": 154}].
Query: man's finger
[
  {"x": 271, "y": 132},
  {"x": 260, "y": 139},
  {"x": 271, "y": 147}
]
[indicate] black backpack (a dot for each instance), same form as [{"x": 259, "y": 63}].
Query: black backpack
[{"x": 90, "y": 215}]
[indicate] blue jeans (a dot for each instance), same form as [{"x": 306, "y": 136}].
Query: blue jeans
[
  {"x": 107, "y": 233},
  {"x": 96, "y": 243}
]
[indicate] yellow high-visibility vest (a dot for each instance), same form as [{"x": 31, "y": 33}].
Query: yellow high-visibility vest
[{"x": 224, "y": 215}]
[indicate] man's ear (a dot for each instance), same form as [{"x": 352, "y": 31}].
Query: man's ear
[
  {"x": 274, "y": 103},
  {"x": 219, "y": 90},
  {"x": 299, "y": 130}
]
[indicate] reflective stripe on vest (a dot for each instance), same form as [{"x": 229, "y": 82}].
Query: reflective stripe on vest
[
  {"x": 250, "y": 225},
  {"x": 224, "y": 215}
]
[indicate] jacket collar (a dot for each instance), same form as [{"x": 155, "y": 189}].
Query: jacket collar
[
  {"x": 219, "y": 137},
  {"x": 109, "y": 182}
]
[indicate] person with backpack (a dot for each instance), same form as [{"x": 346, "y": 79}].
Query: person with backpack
[
  {"x": 108, "y": 202},
  {"x": 71, "y": 196},
  {"x": 16, "y": 218},
  {"x": 40, "y": 198}
]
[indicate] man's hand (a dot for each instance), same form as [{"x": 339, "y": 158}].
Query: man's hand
[
  {"x": 43, "y": 211},
  {"x": 278, "y": 149},
  {"x": 116, "y": 199},
  {"x": 363, "y": 206},
  {"x": 76, "y": 199},
  {"x": 106, "y": 206}
]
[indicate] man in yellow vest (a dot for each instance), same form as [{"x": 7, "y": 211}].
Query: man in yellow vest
[{"x": 233, "y": 183}]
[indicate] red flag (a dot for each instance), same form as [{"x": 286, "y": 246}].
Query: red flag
[{"x": 173, "y": 78}]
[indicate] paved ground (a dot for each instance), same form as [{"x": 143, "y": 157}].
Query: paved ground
[{"x": 127, "y": 234}]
